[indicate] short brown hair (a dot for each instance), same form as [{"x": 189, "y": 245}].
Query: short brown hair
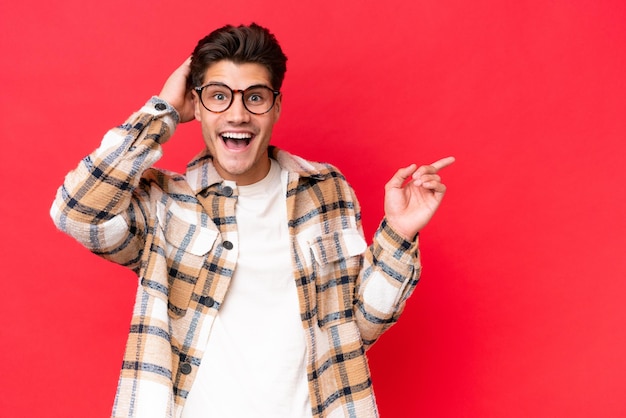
[{"x": 241, "y": 44}]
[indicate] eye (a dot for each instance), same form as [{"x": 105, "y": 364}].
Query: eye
[
  {"x": 257, "y": 97},
  {"x": 216, "y": 93},
  {"x": 218, "y": 96}
]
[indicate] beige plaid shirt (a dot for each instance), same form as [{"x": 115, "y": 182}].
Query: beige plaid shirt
[{"x": 179, "y": 234}]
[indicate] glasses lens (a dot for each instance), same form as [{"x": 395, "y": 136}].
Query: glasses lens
[
  {"x": 258, "y": 99},
  {"x": 216, "y": 97}
]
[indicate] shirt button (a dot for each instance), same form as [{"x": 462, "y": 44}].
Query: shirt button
[
  {"x": 185, "y": 368},
  {"x": 227, "y": 191},
  {"x": 228, "y": 245},
  {"x": 207, "y": 301},
  {"x": 160, "y": 106}
]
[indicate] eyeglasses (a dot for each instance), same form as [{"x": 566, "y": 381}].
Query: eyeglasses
[{"x": 218, "y": 97}]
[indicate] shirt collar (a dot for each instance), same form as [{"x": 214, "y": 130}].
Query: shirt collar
[{"x": 201, "y": 172}]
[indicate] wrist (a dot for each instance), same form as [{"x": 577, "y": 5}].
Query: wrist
[{"x": 402, "y": 233}]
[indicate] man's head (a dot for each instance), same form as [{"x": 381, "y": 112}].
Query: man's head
[
  {"x": 239, "y": 44},
  {"x": 236, "y": 73}
]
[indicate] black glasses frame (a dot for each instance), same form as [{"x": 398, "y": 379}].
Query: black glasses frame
[{"x": 275, "y": 94}]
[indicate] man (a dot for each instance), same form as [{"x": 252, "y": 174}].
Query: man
[{"x": 257, "y": 295}]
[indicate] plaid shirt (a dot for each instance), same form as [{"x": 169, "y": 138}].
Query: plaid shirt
[{"x": 179, "y": 234}]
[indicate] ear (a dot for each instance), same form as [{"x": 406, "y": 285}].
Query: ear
[
  {"x": 196, "y": 105},
  {"x": 277, "y": 107}
]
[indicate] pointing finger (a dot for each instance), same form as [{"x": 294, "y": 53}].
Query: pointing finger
[
  {"x": 444, "y": 162},
  {"x": 433, "y": 168}
]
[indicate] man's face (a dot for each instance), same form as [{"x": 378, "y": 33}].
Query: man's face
[{"x": 236, "y": 138}]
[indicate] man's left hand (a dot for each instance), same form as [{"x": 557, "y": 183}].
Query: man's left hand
[{"x": 409, "y": 206}]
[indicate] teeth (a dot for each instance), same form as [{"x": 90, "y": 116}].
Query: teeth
[{"x": 237, "y": 135}]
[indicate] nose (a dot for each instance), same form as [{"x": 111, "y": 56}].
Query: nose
[{"x": 237, "y": 112}]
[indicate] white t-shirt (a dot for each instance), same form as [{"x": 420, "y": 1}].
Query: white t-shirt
[{"x": 255, "y": 362}]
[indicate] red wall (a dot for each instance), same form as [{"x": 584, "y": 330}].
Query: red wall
[{"x": 520, "y": 312}]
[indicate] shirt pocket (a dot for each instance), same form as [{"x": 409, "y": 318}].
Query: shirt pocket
[
  {"x": 184, "y": 250},
  {"x": 337, "y": 261}
]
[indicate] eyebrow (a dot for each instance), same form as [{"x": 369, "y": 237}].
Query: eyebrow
[{"x": 219, "y": 83}]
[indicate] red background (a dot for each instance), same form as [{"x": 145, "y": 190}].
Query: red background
[{"x": 520, "y": 311}]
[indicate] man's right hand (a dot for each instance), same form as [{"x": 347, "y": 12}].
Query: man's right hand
[{"x": 176, "y": 94}]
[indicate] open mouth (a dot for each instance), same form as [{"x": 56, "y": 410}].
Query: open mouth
[{"x": 236, "y": 140}]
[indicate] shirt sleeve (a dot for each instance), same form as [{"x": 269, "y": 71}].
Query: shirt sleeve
[
  {"x": 102, "y": 202},
  {"x": 391, "y": 269}
]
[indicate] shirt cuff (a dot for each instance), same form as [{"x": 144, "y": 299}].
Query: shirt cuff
[
  {"x": 394, "y": 243},
  {"x": 160, "y": 109}
]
